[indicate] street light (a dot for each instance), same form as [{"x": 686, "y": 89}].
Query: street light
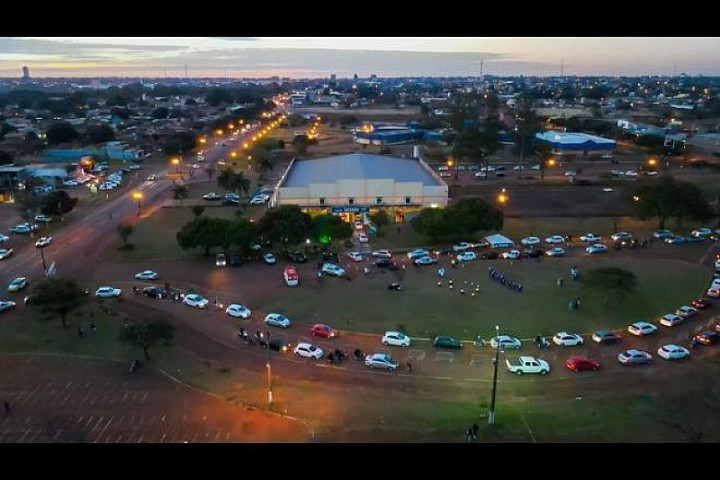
[
  {"x": 491, "y": 417},
  {"x": 137, "y": 196},
  {"x": 551, "y": 162},
  {"x": 636, "y": 198},
  {"x": 42, "y": 255},
  {"x": 269, "y": 370},
  {"x": 503, "y": 197}
]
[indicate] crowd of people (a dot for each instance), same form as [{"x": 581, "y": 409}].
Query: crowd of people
[{"x": 500, "y": 277}]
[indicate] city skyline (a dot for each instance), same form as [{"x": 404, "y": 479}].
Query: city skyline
[{"x": 313, "y": 57}]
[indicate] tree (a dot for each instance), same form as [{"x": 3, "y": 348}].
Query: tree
[
  {"x": 218, "y": 96},
  {"x": 301, "y": 143},
  {"x": 160, "y": 112},
  {"x": 326, "y": 228},
  {"x": 58, "y": 296},
  {"x": 180, "y": 192},
  {"x": 528, "y": 124},
  {"x": 666, "y": 197},
  {"x": 461, "y": 220},
  {"x": 61, "y": 132},
  {"x": 58, "y": 202},
  {"x": 6, "y": 157},
  {"x": 198, "y": 210},
  {"x": 380, "y": 219},
  {"x": 692, "y": 204},
  {"x": 286, "y": 224},
  {"x": 233, "y": 182},
  {"x": 241, "y": 233},
  {"x": 100, "y": 134},
  {"x": 611, "y": 280},
  {"x": 204, "y": 232},
  {"x": 124, "y": 230},
  {"x": 429, "y": 222},
  {"x": 146, "y": 334}
]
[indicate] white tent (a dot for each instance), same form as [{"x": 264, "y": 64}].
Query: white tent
[{"x": 499, "y": 241}]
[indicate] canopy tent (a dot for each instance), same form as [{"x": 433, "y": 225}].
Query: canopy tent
[{"x": 499, "y": 241}]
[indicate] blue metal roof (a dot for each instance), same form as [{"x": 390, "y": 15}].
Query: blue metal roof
[
  {"x": 357, "y": 166},
  {"x": 575, "y": 141}
]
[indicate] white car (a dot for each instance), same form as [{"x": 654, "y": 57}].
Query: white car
[
  {"x": 608, "y": 189},
  {"x": 238, "y": 311},
  {"x": 617, "y": 173},
  {"x": 362, "y": 238},
  {"x": 358, "y": 225},
  {"x": 107, "y": 292},
  {"x": 715, "y": 283},
  {"x": 43, "y": 218},
  {"x": 18, "y": 284},
  {"x": 530, "y": 241},
  {"x": 417, "y": 253},
  {"x": 146, "y": 275},
  {"x": 308, "y": 350},
  {"x": 634, "y": 357},
  {"x": 556, "y": 252},
  {"x": 396, "y": 339},
  {"x": 713, "y": 292},
  {"x": 461, "y": 247},
  {"x": 382, "y": 254},
  {"x": 686, "y": 311},
  {"x": 269, "y": 258},
  {"x": 489, "y": 168},
  {"x": 596, "y": 248},
  {"x": 277, "y": 320},
  {"x": 4, "y": 238},
  {"x": 590, "y": 238},
  {"x": 333, "y": 270},
  {"x": 197, "y": 301},
  {"x": 565, "y": 339},
  {"x": 671, "y": 319},
  {"x": 717, "y": 262},
  {"x": 5, "y": 253},
  {"x": 6, "y": 305},
  {"x": 555, "y": 239},
  {"x": 570, "y": 173},
  {"x": 663, "y": 234},
  {"x": 43, "y": 242},
  {"x": 631, "y": 173},
  {"x": 134, "y": 167},
  {"x": 642, "y": 329},
  {"x": 467, "y": 257},
  {"x": 505, "y": 341},
  {"x": 426, "y": 260},
  {"x": 259, "y": 200},
  {"x": 356, "y": 256},
  {"x": 211, "y": 196},
  {"x": 480, "y": 174},
  {"x": 673, "y": 352},
  {"x": 511, "y": 255},
  {"x": 621, "y": 237},
  {"x": 70, "y": 183},
  {"x": 701, "y": 232},
  {"x": 519, "y": 167}
]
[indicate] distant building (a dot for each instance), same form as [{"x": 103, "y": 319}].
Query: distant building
[
  {"x": 571, "y": 143},
  {"x": 356, "y": 185},
  {"x": 26, "y": 73}
]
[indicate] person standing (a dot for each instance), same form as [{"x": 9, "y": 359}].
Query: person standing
[
  {"x": 80, "y": 331},
  {"x": 475, "y": 429},
  {"x": 7, "y": 408}
]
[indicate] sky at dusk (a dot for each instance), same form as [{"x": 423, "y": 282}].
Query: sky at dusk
[{"x": 322, "y": 56}]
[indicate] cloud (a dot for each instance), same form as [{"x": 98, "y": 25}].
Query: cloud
[{"x": 236, "y": 39}]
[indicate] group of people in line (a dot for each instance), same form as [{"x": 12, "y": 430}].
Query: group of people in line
[{"x": 500, "y": 277}]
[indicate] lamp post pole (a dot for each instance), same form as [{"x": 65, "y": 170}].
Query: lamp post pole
[
  {"x": 269, "y": 370},
  {"x": 42, "y": 255},
  {"x": 491, "y": 417}
]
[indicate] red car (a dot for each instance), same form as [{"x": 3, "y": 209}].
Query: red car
[
  {"x": 701, "y": 303},
  {"x": 577, "y": 363},
  {"x": 322, "y": 330}
]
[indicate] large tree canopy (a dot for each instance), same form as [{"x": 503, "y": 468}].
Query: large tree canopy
[
  {"x": 58, "y": 296},
  {"x": 665, "y": 198},
  {"x": 461, "y": 220},
  {"x": 286, "y": 224}
]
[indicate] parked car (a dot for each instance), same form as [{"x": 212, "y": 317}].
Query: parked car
[
  {"x": 4, "y": 238},
  {"x": 556, "y": 252},
  {"x": 530, "y": 241},
  {"x": 686, "y": 311},
  {"x": 702, "y": 232},
  {"x": 590, "y": 238},
  {"x": 707, "y": 338},
  {"x": 308, "y": 350},
  {"x": 701, "y": 303},
  {"x": 333, "y": 270},
  {"x": 676, "y": 240},
  {"x": 621, "y": 237},
  {"x": 196, "y": 301},
  {"x": 555, "y": 239},
  {"x": 43, "y": 218},
  {"x": 511, "y": 255},
  {"x": 23, "y": 228},
  {"x": 238, "y": 311},
  {"x": 578, "y": 363},
  {"x": 671, "y": 320},
  {"x": 17, "y": 284},
  {"x": 467, "y": 257},
  {"x": 642, "y": 329},
  {"x": 444, "y": 341},
  {"x": 381, "y": 360},
  {"x": 596, "y": 248},
  {"x": 461, "y": 247},
  {"x": 322, "y": 330},
  {"x": 505, "y": 342},
  {"x": 396, "y": 339},
  {"x": 146, "y": 275},
  {"x": 426, "y": 260},
  {"x": 5, "y": 253},
  {"x": 565, "y": 339},
  {"x": 605, "y": 337},
  {"x": 296, "y": 257},
  {"x": 277, "y": 320},
  {"x": 220, "y": 260},
  {"x": 356, "y": 256},
  {"x": 532, "y": 253},
  {"x": 673, "y": 352},
  {"x": 108, "y": 292},
  {"x": 155, "y": 292},
  {"x": 489, "y": 256},
  {"x": 43, "y": 242},
  {"x": 269, "y": 259},
  {"x": 362, "y": 238},
  {"x": 211, "y": 196},
  {"x": 6, "y": 305},
  {"x": 389, "y": 264},
  {"x": 663, "y": 234},
  {"x": 383, "y": 254},
  {"x": 527, "y": 365},
  {"x": 417, "y": 253},
  {"x": 634, "y": 357}
]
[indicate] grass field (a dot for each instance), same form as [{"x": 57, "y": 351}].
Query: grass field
[{"x": 423, "y": 309}]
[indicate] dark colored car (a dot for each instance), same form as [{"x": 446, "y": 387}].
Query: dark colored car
[
  {"x": 154, "y": 292},
  {"x": 389, "y": 264},
  {"x": 443, "y": 341},
  {"x": 489, "y": 256},
  {"x": 445, "y": 250},
  {"x": 708, "y": 338},
  {"x": 578, "y": 363},
  {"x": 701, "y": 303},
  {"x": 532, "y": 253},
  {"x": 296, "y": 257},
  {"x": 277, "y": 344},
  {"x": 604, "y": 337},
  {"x": 230, "y": 202},
  {"x": 236, "y": 260}
]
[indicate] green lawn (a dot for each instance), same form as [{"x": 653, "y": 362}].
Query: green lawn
[{"x": 424, "y": 309}]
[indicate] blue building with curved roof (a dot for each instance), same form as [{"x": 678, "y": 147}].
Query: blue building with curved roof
[{"x": 570, "y": 143}]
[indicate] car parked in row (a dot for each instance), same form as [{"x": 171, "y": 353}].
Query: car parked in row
[
  {"x": 505, "y": 342},
  {"x": 43, "y": 242},
  {"x": 146, "y": 275},
  {"x": 397, "y": 339},
  {"x": 596, "y": 248},
  {"x": 308, "y": 350},
  {"x": 237, "y": 310},
  {"x": 673, "y": 352},
  {"x": 604, "y": 337},
  {"x": 108, "y": 292},
  {"x": 530, "y": 241},
  {"x": 444, "y": 341},
  {"x": 578, "y": 363},
  {"x": 17, "y": 284},
  {"x": 155, "y": 292},
  {"x": 634, "y": 357},
  {"x": 322, "y": 330},
  {"x": 333, "y": 270},
  {"x": 277, "y": 320},
  {"x": 642, "y": 329},
  {"x": 467, "y": 257},
  {"x": 381, "y": 360},
  {"x": 565, "y": 339},
  {"x": 195, "y": 301}
]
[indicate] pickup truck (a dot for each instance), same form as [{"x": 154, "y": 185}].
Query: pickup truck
[{"x": 528, "y": 365}]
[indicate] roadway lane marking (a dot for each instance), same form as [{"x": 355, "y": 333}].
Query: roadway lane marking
[{"x": 75, "y": 239}]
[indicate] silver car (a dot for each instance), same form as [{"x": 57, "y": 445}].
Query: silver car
[
  {"x": 381, "y": 360},
  {"x": 277, "y": 320}
]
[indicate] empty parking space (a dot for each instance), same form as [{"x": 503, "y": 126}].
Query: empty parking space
[{"x": 444, "y": 357}]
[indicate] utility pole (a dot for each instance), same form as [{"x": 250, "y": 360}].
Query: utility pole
[
  {"x": 562, "y": 67},
  {"x": 269, "y": 370},
  {"x": 491, "y": 417}
]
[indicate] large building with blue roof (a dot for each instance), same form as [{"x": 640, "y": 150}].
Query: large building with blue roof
[
  {"x": 572, "y": 143},
  {"x": 359, "y": 184}
]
